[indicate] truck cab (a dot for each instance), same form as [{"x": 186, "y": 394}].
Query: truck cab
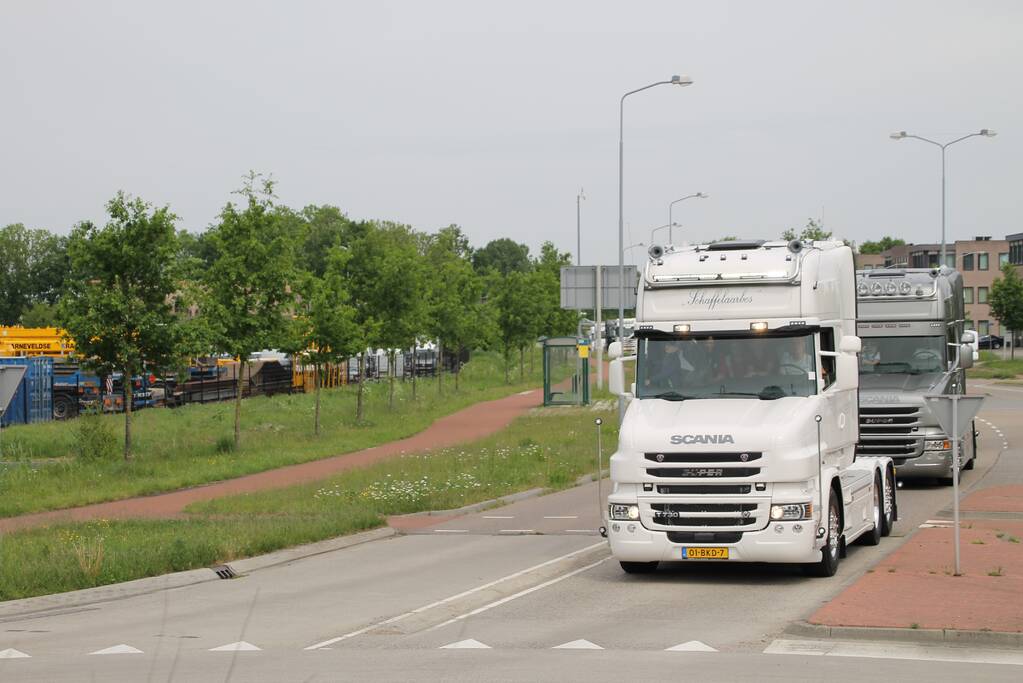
[
  {"x": 911, "y": 323},
  {"x": 739, "y": 438}
]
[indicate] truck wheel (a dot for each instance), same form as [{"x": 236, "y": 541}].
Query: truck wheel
[
  {"x": 888, "y": 500},
  {"x": 873, "y": 537},
  {"x": 828, "y": 564},
  {"x": 639, "y": 567},
  {"x": 63, "y": 408}
]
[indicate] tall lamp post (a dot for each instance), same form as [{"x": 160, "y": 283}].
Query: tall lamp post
[
  {"x": 661, "y": 227},
  {"x": 578, "y": 229},
  {"x": 675, "y": 80},
  {"x": 902, "y": 135},
  {"x": 698, "y": 195}
]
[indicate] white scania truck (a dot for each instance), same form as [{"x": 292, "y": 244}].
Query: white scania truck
[{"x": 739, "y": 440}]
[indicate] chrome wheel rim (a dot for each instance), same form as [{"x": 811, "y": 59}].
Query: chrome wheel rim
[
  {"x": 889, "y": 498},
  {"x": 833, "y": 531}
]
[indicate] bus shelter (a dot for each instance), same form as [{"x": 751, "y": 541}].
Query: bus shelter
[{"x": 566, "y": 371}]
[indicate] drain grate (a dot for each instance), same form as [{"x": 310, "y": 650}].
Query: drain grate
[{"x": 224, "y": 571}]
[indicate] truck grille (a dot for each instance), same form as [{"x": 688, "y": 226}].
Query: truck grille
[
  {"x": 704, "y": 536},
  {"x": 890, "y": 430},
  {"x": 702, "y": 472},
  {"x": 709, "y": 516},
  {"x": 703, "y": 457},
  {"x": 699, "y": 489}
]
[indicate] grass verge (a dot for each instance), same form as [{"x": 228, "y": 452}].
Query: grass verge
[
  {"x": 547, "y": 448},
  {"x": 993, "y": 367},
  {"x": 184, "y": 447}
]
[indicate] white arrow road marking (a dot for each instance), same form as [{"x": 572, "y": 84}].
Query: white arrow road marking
[
  {"x": 469, "y": 644},
  {"x": 578, "y": 645},
  {"x": 11, "y": 653},
  {"x": 240, "y": 646},
  {"x": 691, "y": 646},
  {"x": 121, "y": 649}
]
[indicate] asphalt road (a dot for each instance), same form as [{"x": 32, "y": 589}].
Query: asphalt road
[{"x": 492, "y": 596}]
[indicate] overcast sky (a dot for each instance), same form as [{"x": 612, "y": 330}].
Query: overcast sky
[{"x": 493, "y": 115}]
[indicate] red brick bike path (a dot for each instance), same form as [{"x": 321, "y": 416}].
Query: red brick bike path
[
  {"x": 914, "y": 586},
  {"x": 475, "y": 422}
]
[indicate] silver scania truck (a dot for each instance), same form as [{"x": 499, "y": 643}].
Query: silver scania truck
[{"x": 911, "y": 323}]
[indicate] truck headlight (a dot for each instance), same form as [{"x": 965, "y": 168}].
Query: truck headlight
[
  {"x": 624, "y": 512},
  {"x": 937, "y": 445},
  {"x": 792, "y": 511}
]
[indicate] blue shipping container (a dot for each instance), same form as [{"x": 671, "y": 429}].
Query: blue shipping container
[{"x": 33, "y": 401}]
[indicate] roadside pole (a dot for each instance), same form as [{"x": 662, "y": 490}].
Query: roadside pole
[
  {"x": 600, "y": 330},
  {"x": 600, "y": 474},
  {"x": 955, "y": 480}
]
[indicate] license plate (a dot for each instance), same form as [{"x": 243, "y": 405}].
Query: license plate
[{"x": 704, "y": 553}]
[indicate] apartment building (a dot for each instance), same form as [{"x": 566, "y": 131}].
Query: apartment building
[{"x": 979, "y": 260}]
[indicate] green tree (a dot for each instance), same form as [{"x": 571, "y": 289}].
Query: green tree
[
  {"x": 883, "y": 244},
  {"x": 116, "y": 304},
  {"x": 39, "y": 314},
  {"x": 553, "y": 320},
  {"x": 246, "y": 286},
  {"x": 517, "y": 311},
  {"x": 325, "y": 227},
  {"x": 814, "y": 230},
  {"x": 454, "y": 291},
  {"x": 328, "y": 331},
  {"x": 33, "y": 265},
  {"x": 1006, "y": 302},
  {"x": 503, "y": 255}
]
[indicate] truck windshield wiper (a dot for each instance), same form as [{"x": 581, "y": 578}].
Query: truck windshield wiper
[{"x": 671, "y": 396}]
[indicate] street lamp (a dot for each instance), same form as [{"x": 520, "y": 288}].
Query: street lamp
[
  {"x": 675, "y": 80},
  {"x": 698, "y": 195},
  {"x": 578, "y": 230},
  {"x": 902, "y": 135},
  {"x": 661, "y": 227}
]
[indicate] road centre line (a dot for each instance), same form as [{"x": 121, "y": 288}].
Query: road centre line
[
  {"x": 502, "y": 601},
  {"x": 444, "y": 601}
]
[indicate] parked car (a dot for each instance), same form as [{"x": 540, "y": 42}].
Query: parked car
[{"x": 991, "y": 341}]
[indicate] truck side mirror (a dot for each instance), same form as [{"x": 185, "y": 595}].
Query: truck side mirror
[
  {"x": 850, "y": 344},
  {"x": 616, "y": 378},
  {"x": 614, "y": 350},
  {"x": 965, "y": 356}
]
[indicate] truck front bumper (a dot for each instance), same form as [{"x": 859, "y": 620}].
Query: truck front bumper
[
  {"x": 779, "y": 542},
  {"x": 926, "y": 465}
]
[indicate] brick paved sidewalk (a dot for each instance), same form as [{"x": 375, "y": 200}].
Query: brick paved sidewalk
[
  {"x": 914, "y": 586},
  {"x": 475, "y": 422}
]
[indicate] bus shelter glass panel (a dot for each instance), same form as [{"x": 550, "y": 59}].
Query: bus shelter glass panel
[{"x": 566, "y": 372}]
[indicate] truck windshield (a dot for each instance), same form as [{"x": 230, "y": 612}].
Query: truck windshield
[
  {"x": 764, "y": 368},
  {"x": 902, "y": 355}
]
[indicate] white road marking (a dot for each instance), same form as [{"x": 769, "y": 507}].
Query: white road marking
[
  {"x": 498, "y": 516},
  {"x": 562, "y": 517},
  {"x": 691, "y": 646},
  {"x": 469, "y": 644},
  {"x": 498, "y": 603},
  {"x": 894, "y": 651},
  {"x": 121, "y": 649},
  {"x": 11, "y": 653},
  {"x": 463, "y": 594},
  {"x": 578, "y": 645},
  {"x": 526, "y": 393},
  {"x": 240, "y": 646},
  {"x": 450, "y": 531},
  {"x": 517, "y": 531}
]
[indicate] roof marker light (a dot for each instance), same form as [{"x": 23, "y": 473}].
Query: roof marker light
[
  {"x": 758, "y": 327},
  {"x": 682, "y": 328}
]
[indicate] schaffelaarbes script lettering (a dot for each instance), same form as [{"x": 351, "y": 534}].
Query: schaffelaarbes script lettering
[{"x": 700, "y": 297}]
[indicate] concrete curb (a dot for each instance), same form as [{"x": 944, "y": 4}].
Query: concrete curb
[
  {"x": 76, "y": 600},
  {"x": 947, "y": 636}
]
